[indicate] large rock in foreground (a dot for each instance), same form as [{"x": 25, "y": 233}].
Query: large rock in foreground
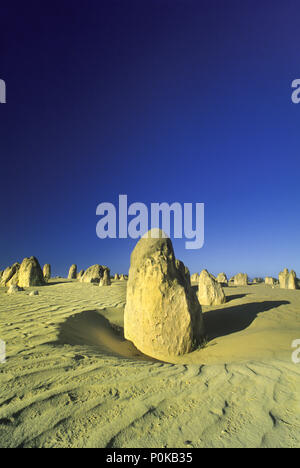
[
  {"x": 210, "y": 291},
  {"x": 162, "y": 314},
  {"x": 30, "y": 273},
  {"x": 241, "y": 279}
]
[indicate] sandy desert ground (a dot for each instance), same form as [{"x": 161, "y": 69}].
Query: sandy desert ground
[{"x": 71, "y": 380}]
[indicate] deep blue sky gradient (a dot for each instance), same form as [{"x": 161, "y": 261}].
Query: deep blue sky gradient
[{"x": 162, "y": 100}]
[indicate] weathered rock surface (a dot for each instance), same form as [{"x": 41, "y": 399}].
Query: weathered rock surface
[
  {"x": 72, "y": 272},
  {"x": 288, "y": 279},
  {"x": 13, "y": 289},
  {"x": 9, "y": 273},
  {"x": 47, "y": 272},
  {"x": 222, "y": 278},
  {"x": 105, "y": 280},
  {"x": 14, "y": 280},
  {"x": 162, "y": 315},
  {"x": 241, "y": 279},
  {"x": 270, "y": 281},
  {"x": 116, "y": 277},
  {"x": 30, "y": 273},
  {"x": 210, "y": 291},
  {"x": 80, "y": 274},
  {"x": 195, "y": 277},
  {"x": 93, "y": 274},
  {"x": 292, "y": 282}
]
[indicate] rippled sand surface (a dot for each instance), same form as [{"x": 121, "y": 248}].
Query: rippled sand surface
[{"x": 71, "y": 380}]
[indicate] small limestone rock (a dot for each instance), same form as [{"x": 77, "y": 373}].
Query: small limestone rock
[
  {"x": 93, "y": 274},
  {"x": 47, "y": 272},
  {"x": 269, "y": 280},
  {"x": 34, "y": 293},
  {"x": 116, "y": 277},
  {"x": 105, "y": 280},
  {"x": 257, "y": 280},
  {"x": 222, "y": 278},
  {"x": 72, "y": 272},
  {"x": 241, "y": 279},
  {"x": 210, "y": 291}
]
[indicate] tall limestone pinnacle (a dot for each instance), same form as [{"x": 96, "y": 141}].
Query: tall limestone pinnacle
[{"x": 162, "y": 314}]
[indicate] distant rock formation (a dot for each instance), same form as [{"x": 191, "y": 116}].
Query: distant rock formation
[
  {"x": 72, "y": 272},
  {"x": 122, "y": 278},
  {"x": 116, "y": 277},
  {"x": 222, "y": 278},
  {"x": 162, "y": 314},
  {"x": 293, "y": 281},
  {"x": 105, "y": 280},
  {"x": 241, "y": 279},
  {"x": 257, "y": 280},
  {"x": 93, "y": 274},
  {"x": 288, "y": 280},
  {"x": 210, "y": 291},
  {"x": 270, "y": 281},
  {"x": 47, "y": 272},
  {"x": 30, "y": 273}
]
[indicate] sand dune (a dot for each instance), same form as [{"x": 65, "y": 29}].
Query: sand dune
[{"x": 71, "y": 380}]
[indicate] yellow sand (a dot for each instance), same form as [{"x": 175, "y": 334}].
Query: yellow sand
[{"x": 71, "y": 380}]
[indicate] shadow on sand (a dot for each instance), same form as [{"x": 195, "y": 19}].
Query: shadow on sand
[
  {"x": 90, "y": 328},
  {"x": 53, "y": 283},
  {"x": 232, "y": 297},
  {"x": 222, "y": 322}
]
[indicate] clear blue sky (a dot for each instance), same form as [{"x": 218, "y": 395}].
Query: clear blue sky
[{"x": 162, "y": 100}]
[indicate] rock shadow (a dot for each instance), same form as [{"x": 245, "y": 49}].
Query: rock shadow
[
  {"x": 222, "y": 322},
  {"x": 232, "y": 297},
  {"x": 91, "y": 329}
]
